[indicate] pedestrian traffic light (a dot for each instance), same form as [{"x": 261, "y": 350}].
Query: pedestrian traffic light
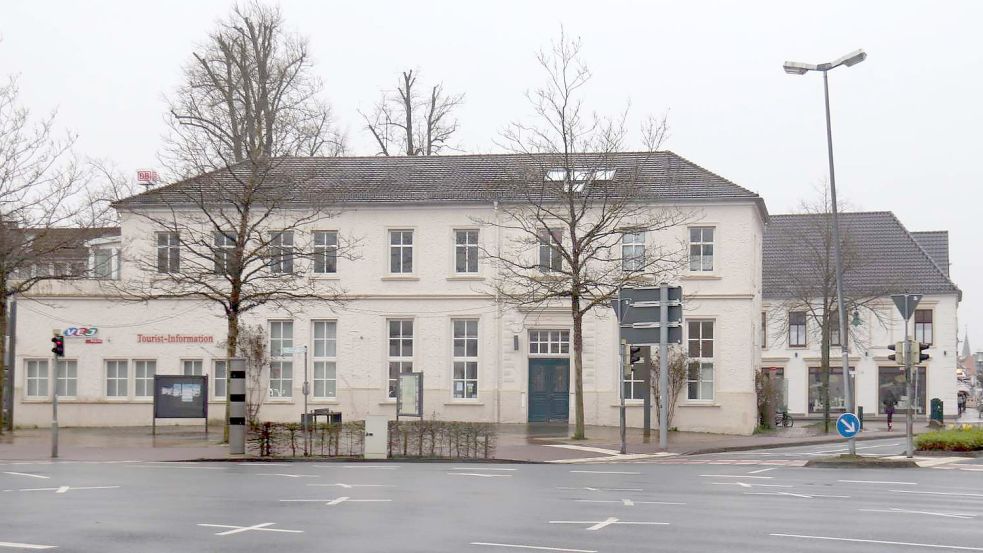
[
  {"x": 916, "y": 352},
  {"x": 898, "y": 356},
  {"x": 59, "y": 345},
  {"x": 635, "y": 355}
]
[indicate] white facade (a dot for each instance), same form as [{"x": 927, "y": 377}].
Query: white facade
[
  {"x": 875, "y": 375},
  {"x": 726, "y": 300}
]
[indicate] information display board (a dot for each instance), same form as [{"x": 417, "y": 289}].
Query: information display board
[
  {"x": 409, "y": 399},
  {"x": 180, "y": 397}
]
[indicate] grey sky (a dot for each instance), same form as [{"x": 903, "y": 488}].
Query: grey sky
[{"x": 905, "y": 122}]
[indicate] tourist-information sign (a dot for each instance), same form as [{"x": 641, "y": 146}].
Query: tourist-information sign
[{"x": 848, "y": 425}]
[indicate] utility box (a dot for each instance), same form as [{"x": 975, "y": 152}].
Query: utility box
[
  {"x": 376, "y": 437},
  {"x": 936, "y": 405}
]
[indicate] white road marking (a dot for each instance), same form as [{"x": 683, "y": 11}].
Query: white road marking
[
  {"x": 27, "y": 545},
  {"x": 590, "y": 489},
  {"x": 586, "y": 448},
  {"x": 27, "y": 474},
  {"x": 380, "y": 467},
  {"x": 857, "y": 540},
  {"x": 289, "y": 475},
  {"x": 176, "y": 467},
  {"x": 482, "y": 468},
  {"x": 628, "y": 502},
  {"x": 350, "y": 486},
  {"x": 941, "y": 493},
  {"x": 536, "y": 547},
  {"x": 263, "y": 464},
  {"x": 735, "y": 476},
  {"x": 603, "y": 472},
  {"x": 258, "y": 527},
  {"x": 802, "y": 495},
  {"x": 746, "y": 485},
  {"x": 598, "y": 524},
  {"x": 762, "y": 470},
  {"x": 478, "y": 474},
  {"x": 336, "y": 501},
  {"x": 63, "y": 489},
  {"x": 878, "y": 482},
  {"x": 896, "y": 510}
]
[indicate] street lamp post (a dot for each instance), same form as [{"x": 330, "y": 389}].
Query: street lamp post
[{"x": 796, "y": 68}]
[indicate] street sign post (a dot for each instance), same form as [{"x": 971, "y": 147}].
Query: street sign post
[
  {"x": 848, "y": 425},
  {"x": 906, "y": 304}
]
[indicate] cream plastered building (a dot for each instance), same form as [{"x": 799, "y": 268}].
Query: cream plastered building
[
  {"x": 883, "y": 258},
  {"x": 482, "y": 359}
]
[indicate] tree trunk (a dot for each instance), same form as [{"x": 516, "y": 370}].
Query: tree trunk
[
  {"x": 3, "y": 358},
  {"x": 232, "y": 342},
  {"x": 578, "y": 370},
  {"x": 824, "y": 370}
]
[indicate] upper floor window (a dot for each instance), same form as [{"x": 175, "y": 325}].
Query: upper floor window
[
  {"x": 550, "y": 257},
  {"x": 325, "y": 252},
  {"x": 282, "y": 252},
  {"x": 834, "y": 328},
  {"x": 104, "y": 263},
  {"x": 168, "y": 252},
  {"x": 701, "y": 248},
  {"x": 923, "y": 326},
  {"x": 466, "y": 251},
  {"x": 797, "y": 328},
  {"x": 764, "y": 329},
  {"x": 633, "y": 251},
  {"x": 401, "y": 251},
  {"x": 224, "y": 248}
]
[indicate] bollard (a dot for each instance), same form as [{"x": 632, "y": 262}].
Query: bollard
[{"x": 237, "y": 406}]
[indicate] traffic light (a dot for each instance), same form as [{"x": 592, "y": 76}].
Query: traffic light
[
  {"x": 635, "y": 355},
  {"x": 59, "y": 345},
  {"x": 899, "y": 349},
  {"x": 917, "y": 357}
]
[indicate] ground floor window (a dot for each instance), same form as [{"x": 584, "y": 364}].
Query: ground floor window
[
  {"x": 66, "y": 377},
  {"x": 395, "y": 369},
  {"x": 546, "y": 342},
  {"x": 891, "y": 388},
  {"x": 37, "y": 377},
  {"x": 325, "y": 380},
  {"x": 143, "y": 377},
  {"x": 116, "y": 378},
  {"x": 837, "y": 403},
  {"x": 219, "y": 378},
  {"x": 634, "y": 385},
  {"x": 192, "y": 367},
  {"x": 281, "y": 378}
]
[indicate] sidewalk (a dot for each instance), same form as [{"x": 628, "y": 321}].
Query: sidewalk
[{"x": 516, "y": 442}]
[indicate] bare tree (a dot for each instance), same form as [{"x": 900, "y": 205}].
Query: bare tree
[
  {"x": 567, "y": 212},
  {"x": 237, "y": 231},
  {"x": 810, "y": 287},
  {"x": 677, "y": 379},
  {"x": 406, "y": 122},
  {"x": 42, "y": 189}
]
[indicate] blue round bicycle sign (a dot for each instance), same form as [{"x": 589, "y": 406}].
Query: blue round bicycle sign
[{"x": 848, "y": 425}]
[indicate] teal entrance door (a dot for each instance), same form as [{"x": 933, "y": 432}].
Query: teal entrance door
[{"x": 549, "y": 390}]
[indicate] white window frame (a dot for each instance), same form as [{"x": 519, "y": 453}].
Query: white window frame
[
  {"x": 700, "y": 362},
  {"x": 66, "y": 377},
  {"x": 705, "y": 263},
  {"x": 404, "y": 265},
  {"x": 97, "y": 267},
  {"x": 147, "y": 380},
  {"x": 921, "y": 329},
  {"x": 325, "y": 259},
  {"x": 549, "y": 251},
  {"x": 195, "y": 365},
  {"x": 324, "y": 339},
  {"x": 280, "y": 363},
  {"x": 220, "y": 376},
  {"x": 633, "y": 250},
  {"x": 634, "y": 385},
  {"x": 549, "y": 342},
  {"x": 466, "y": 250},
  {"x": 282, "y": 252},
  {"x": 41, "y": 382},
  {"x": 168, "y": 252},
  {"x": 115, "y": 378},
  {"x": 464, "y": 356},
  {"x": 223, "y": 247},
  {"x": 399, "y": 351}
]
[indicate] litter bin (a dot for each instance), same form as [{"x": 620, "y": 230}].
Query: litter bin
[{"x": 936, "y": 410}]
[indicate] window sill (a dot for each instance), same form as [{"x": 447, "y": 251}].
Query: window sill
[
  {"x": 699, "y": 404},
  {"x": 632, "y": 403},
  {"x": 388, "y": 402},
  {"x": 700, "y": 276},
  {"x": 332, "y": 276},
  {"x": 465, "y": 277},
  {"x": 400, "y": 277},
  {"x": 279, "y": 401},
  {"x": 324, "y": 401},
  {"x": 465, "y": 402}
]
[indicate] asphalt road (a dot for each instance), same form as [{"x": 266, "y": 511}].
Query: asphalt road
[{"x": 731, "y": 502}]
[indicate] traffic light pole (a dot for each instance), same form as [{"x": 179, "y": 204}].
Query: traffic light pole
[
  {"x": 664, "y": 367},
  {"x": 625, "y": 359},
  {"x": 909, "y": 416},
  {"x": 54, "y": 412}
]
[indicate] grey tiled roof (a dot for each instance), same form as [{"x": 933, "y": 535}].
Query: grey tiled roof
[
  {"x": 880, "y": 257},
  {"x": 461, "y": 178},
  {"x": 936, "y": 245}
]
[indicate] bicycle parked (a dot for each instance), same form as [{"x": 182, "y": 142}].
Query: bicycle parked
[{"x": 782, "y": 418}]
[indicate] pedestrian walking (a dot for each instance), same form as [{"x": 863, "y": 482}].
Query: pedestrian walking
[
  {"x": 889, "y": 403},
  {"x": 961, "y": 403}
]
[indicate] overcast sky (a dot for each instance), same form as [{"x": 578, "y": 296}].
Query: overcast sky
[{"x": 906, "y": 122}]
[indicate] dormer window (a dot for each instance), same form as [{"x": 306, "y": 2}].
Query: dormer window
[{"x": 578, "y": 177}]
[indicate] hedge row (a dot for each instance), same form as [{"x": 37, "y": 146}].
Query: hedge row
[
  {"x": 426, "y": 438},
  {"x": 966, "y": 438}
]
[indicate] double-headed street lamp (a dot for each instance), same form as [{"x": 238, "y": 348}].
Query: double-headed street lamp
[{"x": 797, "y": 68}]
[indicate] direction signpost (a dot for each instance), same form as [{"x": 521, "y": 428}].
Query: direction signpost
[
  {"x": 848, "y": 425},
  {"x": 906, "y": 304}
]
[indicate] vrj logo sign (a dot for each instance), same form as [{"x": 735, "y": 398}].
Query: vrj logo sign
[{"x": 81, "y": 331}]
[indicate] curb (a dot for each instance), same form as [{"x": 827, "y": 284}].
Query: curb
[
  {"x": 862, "y": 464},
  {"x": 799, "y": 443}
]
